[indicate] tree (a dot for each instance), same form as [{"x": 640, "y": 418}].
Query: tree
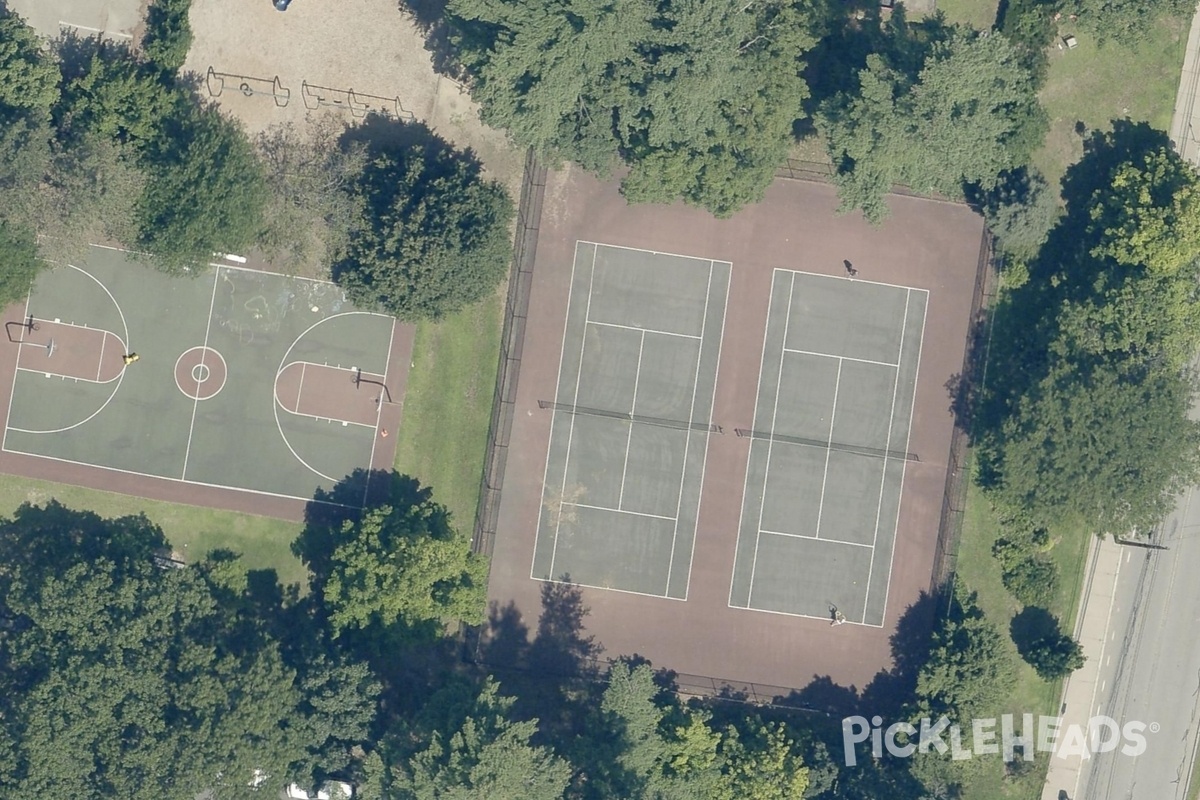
[
  {"x": 970, "y": 114},
  {"x": 407, "y": 564},
  {"x": 696, "y": 99},
  {"x": 124, "y": 679},
  {"x": 436, "y": 237},
  {"x": 969, "y": 672},
  {"x": 1110, "y": 450},
  {"x": 168, "y": 35},
  {"x": 115, "y": 97},
  {"x": 1149, "y": 215},
  {"x": 1054, "y": 656},
  {"x": 1020, "y": 211},
  {"x": 205, "y": 192},
  {"x": 28, "y": 78},
  {"x": 1124, "y": 21},
  {"x": 311, "y": 208},
  {"x": 19, "y": 263},
  {"x": 488, "y": 754}
]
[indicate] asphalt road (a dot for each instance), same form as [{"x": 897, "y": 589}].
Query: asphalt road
[{"x": 1150, "y": 668}]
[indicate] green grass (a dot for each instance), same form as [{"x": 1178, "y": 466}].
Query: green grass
[
  {"x": 979, "y": 14},
  {"x": 263, "y": 543},
  {"x": 980, "y": 572},
  {"x": 1097, "y": 84},
  {"x": 447, "y": 406}
]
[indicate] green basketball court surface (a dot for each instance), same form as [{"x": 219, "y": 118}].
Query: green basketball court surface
[{"x": 244, "y": 380}]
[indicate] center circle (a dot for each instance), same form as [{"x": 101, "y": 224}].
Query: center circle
[{"x": 200, "y": 373}]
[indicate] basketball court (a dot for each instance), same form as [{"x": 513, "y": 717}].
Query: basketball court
[{"x": 243, "y": 380}]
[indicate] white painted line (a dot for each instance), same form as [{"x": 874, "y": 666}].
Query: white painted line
[
  {"x": 300, "y": 391},
  {"x": 842, "y": 358},
  {"x": 762, "y": 367},
  {"x": 904, "y": 464},
  {"x": 12, "y": 390},
  {"x": 196, "y": 403},
  {"x": 651, "y": 252},
  {"x": 620, "y": 511},
  {"x": 787, "y": 321},
  {"x": 641, "y": 330},
  {"x": 837, "y": 385},
  {"x": 708, "y": 434},
  {"x": 387, "y": 368},
  {"x": 841, "y": 279},
  {"x": 100, "y": 361},
  {"x": 637, "y": 375},
  {"x": 587, "y": 310},
  {"x": 887, "y": 448},
  {"x": 607, "y": 589},
  {"x": 554, "y": 415},
  {"x": 817, "y": 539},
  {"x": 794, "y": 614},
  {"x": 687, "y": 442}
]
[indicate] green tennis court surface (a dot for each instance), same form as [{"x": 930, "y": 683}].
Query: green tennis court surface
[
  {"x": 245, "y": 380},
  {"x": 632, "y": 417},
  {"x": 829, "y": 447}
]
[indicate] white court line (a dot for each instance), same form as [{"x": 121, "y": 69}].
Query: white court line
[
  {"x": 687, "y": 442},
  {"x": 824, "y": 619},
  {"x": 574, "y": 400},
  {"x": 120, "y": 376},
  {"x": 787, "y": 321},
  {"x": 841, "y": 358},
  {"x": 651, "y": 252},
  {"x": 637, "y": 375},
  {"x": 904, "y": 464},
  {"x": 837, "y": 384},
  {"x": 65, "y": 378},
  {"x": 562, "y": 356},
  {"x": 12, "y": 390},
  {"x": 641, "y": 330},
  {"x": 620, "y": 511},
  {"x": 262, "y": 492},
  {"x": 300, "y": 391},
  {"x": 856, "y": 280},
  {"x": 606, "y": 588},
  {"x": 817, "y": 539},
  {"x": 100, "y": 362},
  {"x": 886, "y": 449},
  {"x": 387, "y": 367},
  {"x": 708, "y": 434},
  {"x": 762, "y": 366},
  {"x": 196, "y": 403}
]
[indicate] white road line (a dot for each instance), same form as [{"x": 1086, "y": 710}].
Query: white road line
[
  {"x": 687, "y": 442},
  {"x": 641, "y": 330},
  {"x": 887, "y": 448},
  {"x": 841, "y": 358},
  {"x": 787, "y": 321},
  {"x": 637, "y": 375},
  {"x": 587, "y": 310},
  {"x": 837, "y": 384},
  {"x": 196, "y": 403}
]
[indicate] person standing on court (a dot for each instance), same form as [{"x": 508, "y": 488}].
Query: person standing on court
[{"x": 129, "y": 358}]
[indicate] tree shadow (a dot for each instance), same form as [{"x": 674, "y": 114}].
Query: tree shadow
[
  {"x": 328, "y": 512},
  {"x": 1029, "y": 626},
  {"x": 382, "y": 134},
  {"x": 432, "y": 20}
]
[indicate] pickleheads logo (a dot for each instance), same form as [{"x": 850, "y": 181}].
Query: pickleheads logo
[{"x": 995, "y": 737}]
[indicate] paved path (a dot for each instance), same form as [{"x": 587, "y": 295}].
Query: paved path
[
  {"x": 1185, "y": 125},
  {"x": 1079, "y": 693}
]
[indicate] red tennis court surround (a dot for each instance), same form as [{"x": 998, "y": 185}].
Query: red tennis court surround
[
  {"x": 71, "y": 351},
  {"x": 344, "y": 394}
]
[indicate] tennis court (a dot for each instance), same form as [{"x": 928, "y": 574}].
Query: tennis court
[
  {"x": 631, "y": 420},
  {"x": 244, "y": 380},
  {"x": 829, "y": 447}
]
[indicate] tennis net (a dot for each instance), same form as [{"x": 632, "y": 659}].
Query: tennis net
[
  {"x": 877, "y": 452},
  {"x": 661, "y": 422}
]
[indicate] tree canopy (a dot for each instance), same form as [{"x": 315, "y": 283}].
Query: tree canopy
[
  {"x": 436, "y": 234},
  {"x": 1124, "y": 21},
  {"x": 122, "y": 678},
  {"x": 697, "y": 99},
  {"x": 970, "y": 113}
]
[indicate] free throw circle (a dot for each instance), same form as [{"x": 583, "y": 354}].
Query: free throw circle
[{"x": 200, "y": 373}]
